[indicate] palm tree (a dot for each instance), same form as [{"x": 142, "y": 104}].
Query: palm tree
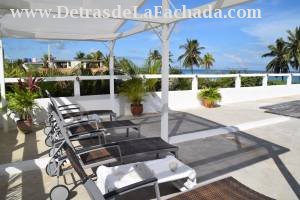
[
  {"x": 208, "y": 61},
  {"x": 293, "y": 46},
  {"x": 280, "y": 62},
  {"x": 80, "y": 55},
  {"x": 98, "y": 55},
  {"x": 45, "y": 59},
  {"x": 127, "y": 67},
  {"x": 154, "y": 56},
  {"x": 191, "y": 55}
]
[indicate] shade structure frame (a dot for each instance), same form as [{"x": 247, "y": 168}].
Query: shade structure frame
[{"x": 111, "y": 34}]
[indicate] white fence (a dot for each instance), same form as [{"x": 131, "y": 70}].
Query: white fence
[
  {"x": 237, "y": 77},
  {"x": 178, "y": 100}
]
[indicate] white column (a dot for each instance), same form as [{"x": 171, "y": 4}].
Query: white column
[
  {"x": 112, "y": 74},
  {"x": 2, "y": 80},
  {"x": 2, "y": 83},
  {"x": 195, "y": 84},
  {"x": 238, "y": 81},
  {"x": 265, "y": 81},
  {"x": 77, "y": 87},
  {"x": 289, "y": 79},
  {"x": 165, "y": 78}
]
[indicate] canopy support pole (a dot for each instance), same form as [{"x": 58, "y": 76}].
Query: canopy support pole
[
  {"x": 112, "y": 75},
  {"x": 2, "y": 80},
  {"x": 3, "y": 92},
  {"x": 165, "y": 77}
]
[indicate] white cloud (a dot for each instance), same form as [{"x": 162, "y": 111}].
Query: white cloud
[
  {"x": 272, "y": 28},
  {"x": 236, "y": 59}
]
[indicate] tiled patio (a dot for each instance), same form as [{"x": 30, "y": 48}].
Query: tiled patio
[{"x": 266, "y": 159}]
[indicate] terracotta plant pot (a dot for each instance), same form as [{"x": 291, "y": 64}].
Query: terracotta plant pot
[
  {"x": 208, "y": 104},
  {"x": 137, "y": 109},
  {"x": 26, "y": 126}
]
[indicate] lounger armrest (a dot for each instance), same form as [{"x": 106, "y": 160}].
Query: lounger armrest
[
  {"x": 68, "y": 125},
  {"x": 68, "y": 109},
  {"x": 67, "y": 105},
  {"x": 129, "y": 188},
  {"x": 84, "y": 135},
  {"x": 97, "y": 147}
]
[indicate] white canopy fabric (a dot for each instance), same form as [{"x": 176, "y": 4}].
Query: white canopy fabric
[
  {"x": 61, "y": 28},
  {"x": 98, "y": 29}
]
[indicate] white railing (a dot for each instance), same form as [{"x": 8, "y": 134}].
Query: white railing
[{"x": 238, "y": 82}]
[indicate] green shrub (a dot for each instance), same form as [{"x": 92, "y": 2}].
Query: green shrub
[
  {"x": 180, "y": 84},
  {"x": 58, "y": 89},
  {"x": 251, "y": 81},
  {"x": 276, "y": 82},
  {"x": 216, "y": 83},
  {"x": 134, "y": 89},
  {"x": 21, "y": 102},
  {"x": 94, "y": 87},
  {"x": 211, "y": 95}
]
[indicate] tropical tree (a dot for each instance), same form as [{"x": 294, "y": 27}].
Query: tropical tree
[
  {"x": 154, "y": 56},
  {"x": 98, "y": 55},
  {"x": 127, "y": 67},
  {"x": 191, "y": 56},
  {"x": 208, "y": 61},
  {"x": 293, "y": 48},
  {"x": 280, "y": 61},
  {"x": 80, "y": 55},
  {"x": 45, "y": 59}
]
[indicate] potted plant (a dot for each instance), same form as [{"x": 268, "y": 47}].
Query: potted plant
[
  {"x": 209, "y": 97},
  {"x": 135, "y": 91},
  {"x": 21, "y": 102}
]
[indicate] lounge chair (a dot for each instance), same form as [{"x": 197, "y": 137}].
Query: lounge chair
[
  {"x": 168, "y": 169},
  {"x": 92, "y": 155},
  {"x": 62, "y": 192},
  {"x": 74, "y": 111},
  {"x": 90, "y": 128},
  {"x": 228, "y": 188}
]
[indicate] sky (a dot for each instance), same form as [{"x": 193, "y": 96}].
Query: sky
[{"x": 234, "y": 43}]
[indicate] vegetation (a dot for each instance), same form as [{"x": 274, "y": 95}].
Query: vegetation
[
  {"x": 280, "y": 62},
  {"x": 21, "y": 99},
  {"x": 208, "y": 61},
  {"x": 209, "y": 96},
  {"x": 154, "y": 57},
  {"x": 216, "y": 83},
  {"x": 22, "y": 102},
  {"x": 251, "y": 81},
  {"x": 293, "y": 48},
  {"x": 191, "y": 56},
  {"x": 134, "y": 89},
  {"x": 46, "y": 58},
  {"x": 285, "y": 54},
  {"x": 276, "y": 82}
]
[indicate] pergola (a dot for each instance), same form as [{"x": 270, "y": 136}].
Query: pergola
[{"x": 95, "y": 29}]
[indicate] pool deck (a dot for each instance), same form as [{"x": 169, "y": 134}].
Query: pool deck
[{"x": 263, "y": 157}]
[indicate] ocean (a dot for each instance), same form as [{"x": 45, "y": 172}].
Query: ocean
[
  {"x": 219, "y": 71},
  {"x": 296, "y": 79}
]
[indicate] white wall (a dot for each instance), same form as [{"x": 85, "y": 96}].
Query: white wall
[{"x": 178, "y": 100}]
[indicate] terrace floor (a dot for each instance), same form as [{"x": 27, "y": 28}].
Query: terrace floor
[{"x": 263, "y": 157}]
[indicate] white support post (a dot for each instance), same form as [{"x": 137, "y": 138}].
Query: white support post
[
  {"x": 265, "y": 81},
  {"x": 112, "y": 75},
  {"x": 2, "y": 88},
  {"x": 77, "y": 87},
  {"x": 195, "y": 84},
  {"x": 165, "y": 77},
  {"x": 289, "y": 80},
  {"x": 238, "y": 81},
  {"x": 2, "y": 80}
]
